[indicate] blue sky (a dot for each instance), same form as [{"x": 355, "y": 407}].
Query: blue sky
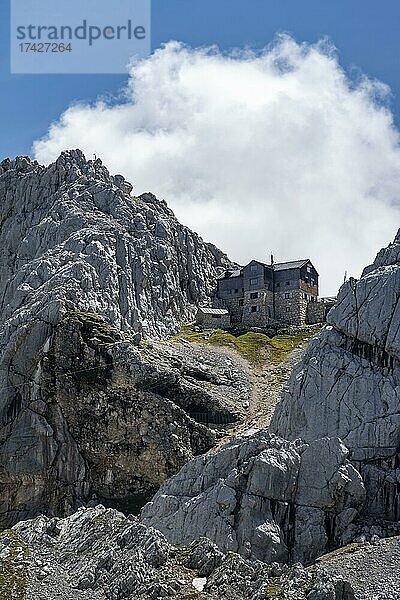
[{"x": 365, "y": 32}]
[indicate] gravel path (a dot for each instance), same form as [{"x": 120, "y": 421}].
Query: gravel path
[
  {"x": 372, "y": 569},
  {"x": 267, "y": 384}
]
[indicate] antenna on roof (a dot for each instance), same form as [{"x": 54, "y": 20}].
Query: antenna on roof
[
  {"x": 345, "y": 277},
  {"x": 272, "y": 260}
]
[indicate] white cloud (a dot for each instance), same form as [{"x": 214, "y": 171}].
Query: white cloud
[{"x": 257, "y": 152}]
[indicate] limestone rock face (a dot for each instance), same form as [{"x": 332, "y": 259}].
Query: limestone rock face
[
  {"x": 263, "y": 497},
  {"x": 109, "y": 421},
  {"x": 73, "y": 237},
  {"x": 81, "y": 255},
  {"x": 348, "y": 384}
]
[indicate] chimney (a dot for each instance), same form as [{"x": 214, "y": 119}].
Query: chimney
[{"x": 272, "y": 260}]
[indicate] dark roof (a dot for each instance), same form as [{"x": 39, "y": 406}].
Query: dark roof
[
  {"x": 293, "y": 264},
  {"x": 283, "y": 266}
]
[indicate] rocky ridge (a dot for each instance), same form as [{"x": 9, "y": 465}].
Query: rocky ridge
[
  {"x": 88, "y": 270},
  {"x": 77, "y": 238}
]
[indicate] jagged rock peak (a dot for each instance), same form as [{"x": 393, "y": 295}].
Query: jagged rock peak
[
  {"x": 70, "y": 165},
  {"x": 126, "y": 257},
  {"x": 386, "y": 257}
]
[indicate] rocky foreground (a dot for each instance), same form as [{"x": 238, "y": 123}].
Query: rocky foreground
[{"x": 100, "y": 554}]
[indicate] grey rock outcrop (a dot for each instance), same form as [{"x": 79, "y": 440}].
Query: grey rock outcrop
[
  {"x": 348, "y": 383},
  {"x": 99, "y": 554},
  {"x": 262, "y": 497},
  {"x": 86, "y": 270}
]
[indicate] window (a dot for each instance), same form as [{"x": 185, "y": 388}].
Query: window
[
  {"x": 255, "y": 309},
  {"x": 288, "y": 295},
  {"x": 287, "y": 309},
  {"x": 254, "y": 268},
  {"x": 236, "y": 290},
  {"x": 308, "y": 269},
  {"x": 254, "y": 281},
  {"x": 241, "y": 302},
  {"x": 278, "y": 284},
  {"x": 253, "y": 295},
  {"x": 312, "y": 282},
  {"x": 288, "y": 283},
  {"x": 216, "y": 316}
]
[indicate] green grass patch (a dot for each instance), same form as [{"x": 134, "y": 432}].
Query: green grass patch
[
  {"x": 257, "y": 348},
  {"x": 182, "y": 553}
]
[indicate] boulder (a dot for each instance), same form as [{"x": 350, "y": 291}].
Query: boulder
[{"x": 263, "y": 497}]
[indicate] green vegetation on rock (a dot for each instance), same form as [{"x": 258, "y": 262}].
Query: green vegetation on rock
[
  {"x": 13, "y": 569},
  {"x": 182, "y": 553},
  {"x": 95, "y": 327},
  {"x": 313, "y": 576},
  {"x": 274, "y": 589},
  {"x": 257, "y": 348}
]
